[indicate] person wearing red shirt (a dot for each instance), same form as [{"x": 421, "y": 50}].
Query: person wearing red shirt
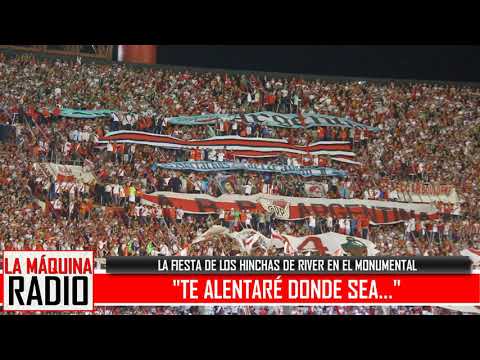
[
  {"x": 56, "y": 114},
  {"x": 321, "y": 133}
]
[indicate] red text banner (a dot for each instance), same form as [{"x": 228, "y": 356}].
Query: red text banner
[
  {"x": 286, "y": 289},
  {"x": 378, "y": 212}
]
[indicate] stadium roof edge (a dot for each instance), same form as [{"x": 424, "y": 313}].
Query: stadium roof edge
[{"x": 326, "y": 78}]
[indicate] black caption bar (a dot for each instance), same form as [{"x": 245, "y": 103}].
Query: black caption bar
[{"x": 288, "y": 264}]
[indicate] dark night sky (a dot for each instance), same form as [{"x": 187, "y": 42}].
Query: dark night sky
[{"x": 425, "y": 62}]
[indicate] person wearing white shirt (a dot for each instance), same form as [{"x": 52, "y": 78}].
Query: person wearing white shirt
[
  {"x": 115, "y": 122},
  {"x": 108, "y": 193},
  {"x": 129, "y": 119},
  {"x": 410, "y": 228},
  {"x": 124, "y": 120},
  {"x": 366, "y": 195},
  {"x": 446, "y": 231},
  {"x": 393, "y": 195},
  {"x": 71, "y": 207},
  {"x": 221, "y": 127},
  {"x": 115, "y": 193},
  {"x": 311, "y": 223},
  {"x": 179, "y": 215},
  {"x": 341, "y": 226},
  {"x": 212, "y": 155},
  {"x": 329, "y": 223},
  {"x": 67, "y": 148},
  {"x": 57, "y": 208},
  {"x": 248, "y": 189},
  {"x": 435, "y": 232},
  {"x": 72, "y": 191},
  {"x": 144, "y": 215},
  {"x": 248, "y": 220},
  {"x": 84, "y": 136},
  {"x": 122, "y": 195},
  {"x": 159, "y": 214},
  {"x": 137, "y": 210},
  {"x": 220, "y": 156},
  {"x": 221, "y": 217},
  {"x": 347, "y": 226},
  {"x": 164, "y": 250},
  {"x": 235, "y": 126}
]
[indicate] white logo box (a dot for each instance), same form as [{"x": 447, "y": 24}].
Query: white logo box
[{"x": 58, "y": 282}]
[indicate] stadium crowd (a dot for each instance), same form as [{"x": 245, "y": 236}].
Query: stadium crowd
[
  {"x": 428, "y": 133},
  {"x": 267, "y": 310}
]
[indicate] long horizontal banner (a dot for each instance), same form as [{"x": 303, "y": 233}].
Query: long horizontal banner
[
  {"x": 427, "y": 193},
  {"x": 208, "y": 166},
  {"x": 321, "y": 244},
  {"x": 332, "y": 148},
  {"x": 446, "y": 265},
  {"x": 275, "y": 154},
  {"x": 66, "y": 173},
  {"x": 328, "y": 243},
  {"x": 85, "y": 114},
  {"x": 293, "y": 208},
  {"x": 272, "y": 119},
  {"x": 343, "y": 289}
]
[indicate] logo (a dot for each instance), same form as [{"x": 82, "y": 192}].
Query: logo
[{"x": 48, "y": 280}]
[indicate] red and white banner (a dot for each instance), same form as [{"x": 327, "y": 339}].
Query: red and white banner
[
  {"x": 427, "y": 193},
  {"x": 66, "y": 173},
  {"x": 287, "y": 289},
  {"x": 245, "y": 240},
  {"x": 329, "y": 243},
  {"x": 315, "y": 189},
  {"x": 293, "y": 208},
  {"x": 234, "y": 143}
]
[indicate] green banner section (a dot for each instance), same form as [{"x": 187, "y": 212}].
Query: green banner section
[{"x": 86, "y": 114}]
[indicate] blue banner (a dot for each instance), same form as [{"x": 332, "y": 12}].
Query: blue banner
[
  {"x": 216, "y": 166},
  {"x": 272, "y": 119}
]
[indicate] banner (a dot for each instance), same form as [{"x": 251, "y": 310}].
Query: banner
[
  {"x": 245, "y": 239},
  {"x": 330, "y": 243},
  {"x": 427, "y": 193},
  {"x": 280, "y": 208},
  {"x": 378, "y": 212},
  {"x": 66, "y": 173},
  {"x": 209, "y": 166},
  {"x": 85, "y": 114},
  {"x": 315, "y": 189},
  {"x": 272, "y": 119},
  {"x": 225, "y": 184},
  {"x": 332, "y": 148}
]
